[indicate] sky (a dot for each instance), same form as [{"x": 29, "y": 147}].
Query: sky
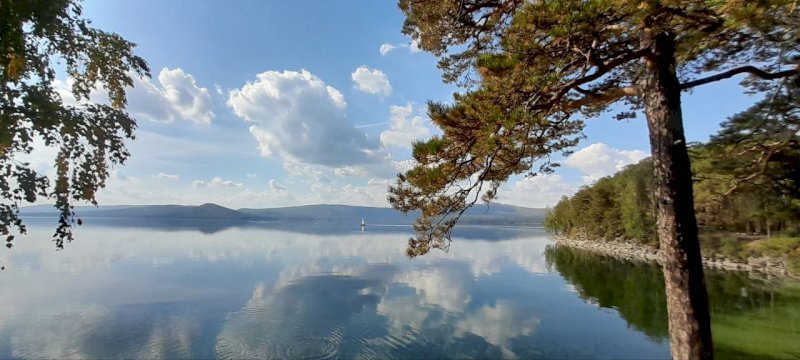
[{"x": 278, "y": 103}]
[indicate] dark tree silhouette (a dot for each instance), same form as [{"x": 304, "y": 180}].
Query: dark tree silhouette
[{"x": 89, "y": 137}]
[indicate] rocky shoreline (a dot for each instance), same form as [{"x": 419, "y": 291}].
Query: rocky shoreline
[{"x": 629, "y": 251}]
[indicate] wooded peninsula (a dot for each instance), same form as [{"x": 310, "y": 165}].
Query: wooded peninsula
[{"x": 746, "y": 191}]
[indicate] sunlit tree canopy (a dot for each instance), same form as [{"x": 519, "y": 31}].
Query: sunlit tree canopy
[
  {"x": 533, "y": 71},
  {"x": 38, "y": 40}
]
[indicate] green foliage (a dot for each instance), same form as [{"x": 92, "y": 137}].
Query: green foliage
[
  {"x": 732, "y": 248},
  {"x": 89, "y": 137},
  {"x": 746, "y": 181},
  {"x": 774, "y": 246},
  {"x": 793, "y": 263},
  {"x": 740, "y": 248},
  {"x": 534, "y": 70},
  {"x": 750, "y": 171},
  {"x": 616, "y": 207}
]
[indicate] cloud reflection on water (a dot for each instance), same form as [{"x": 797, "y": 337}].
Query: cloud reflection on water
[
  {"x": 255, "y": 292},
  {"x": 245, "y": 293}
]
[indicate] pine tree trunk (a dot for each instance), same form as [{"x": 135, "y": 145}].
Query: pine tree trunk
[
  {"x": 687, "y": 300},
  {"x": 769, "y": 234}
]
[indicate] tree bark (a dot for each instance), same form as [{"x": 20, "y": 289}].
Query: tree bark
[
  {"x": 769, "y": 233},
  {"x": 768, "y": 223},
  {"x": 687, "y": 299}
]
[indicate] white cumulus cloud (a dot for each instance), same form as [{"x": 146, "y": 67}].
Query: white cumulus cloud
[
  {"x": 168, "y": 176},
  {"x": 372, "y": 194},
  {"x": 386, "y": 48},
  {"x": 299, "y": 118},
  {"x": 412, "y": 46},
  {"x": 598, "y": 160},
  {"x": 404, "y": 165},
  {"x": 536, "y": 191},
  {"x": 371, "y": 81},
  {"x": 216, "y": 182},
  {"x": 173, "y": 95},
  {"x": 307, "y": 173},
  {"x": 276, "y": 186},
  {"x": 176, "y": 96},
  {"x": 350, "y": 171},
  {"x": 405, "y": 127}
]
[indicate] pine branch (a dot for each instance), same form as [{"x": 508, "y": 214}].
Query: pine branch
[
  {"x": 601, "y": 98},
  {"x": 752, "y": 70}
]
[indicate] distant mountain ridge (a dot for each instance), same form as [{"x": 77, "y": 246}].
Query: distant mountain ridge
[{"x": 493, "y": 214}]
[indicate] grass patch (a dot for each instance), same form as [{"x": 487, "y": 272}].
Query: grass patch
[
  {"x": 774, "y": 247},
  {"x": 732, "y": 248},
  {"x": 724, "y": 246},
  {"x": 777, "y": 247},
  {"x": 738, "y": 248}
]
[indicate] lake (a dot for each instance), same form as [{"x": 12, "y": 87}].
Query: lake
[{"x": 319, "y": 291}]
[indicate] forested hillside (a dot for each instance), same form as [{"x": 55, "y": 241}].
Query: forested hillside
[{"x": 746, "y": 189}]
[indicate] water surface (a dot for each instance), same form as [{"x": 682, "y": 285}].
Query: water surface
[{"x": 327, "y": 291}]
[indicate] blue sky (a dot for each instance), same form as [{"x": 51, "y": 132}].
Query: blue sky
[{"x": 275, "y": 103}]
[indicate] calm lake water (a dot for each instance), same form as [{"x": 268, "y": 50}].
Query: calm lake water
[{"x": 322, "y": 291}]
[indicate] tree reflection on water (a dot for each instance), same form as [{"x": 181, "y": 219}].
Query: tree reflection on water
[{"x": 752, "y": 318}]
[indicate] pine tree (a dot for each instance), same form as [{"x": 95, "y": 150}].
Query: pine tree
[{"x": 532, "y": 68}]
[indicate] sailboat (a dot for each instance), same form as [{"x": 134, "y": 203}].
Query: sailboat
[{"x": 363, "y": 223}]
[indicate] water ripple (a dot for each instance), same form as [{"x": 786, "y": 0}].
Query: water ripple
[{"x": 313, "y": 348}]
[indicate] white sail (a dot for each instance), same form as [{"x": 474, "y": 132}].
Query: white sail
[{"x": 362, "y": 222}]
